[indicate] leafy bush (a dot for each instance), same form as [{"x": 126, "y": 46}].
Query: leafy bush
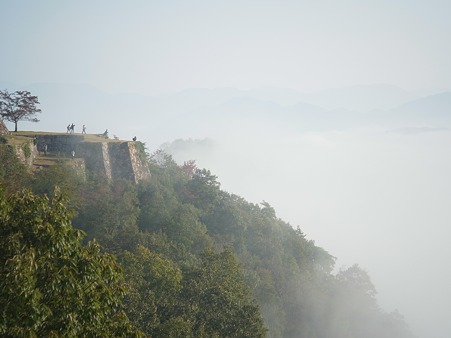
[
  {"x": 142, "y": 152},
  {"x": 26, "y": 150},
  {"x": 50, "y": 284}
]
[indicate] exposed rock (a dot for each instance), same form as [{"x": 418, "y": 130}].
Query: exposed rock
[
  {"x": 26, "y": 152},
  {"x": 3, "y": 129},
  {"x": 115, "y": 160}
]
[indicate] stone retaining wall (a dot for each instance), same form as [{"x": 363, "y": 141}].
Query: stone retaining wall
[{"x": 115, "y": 160}]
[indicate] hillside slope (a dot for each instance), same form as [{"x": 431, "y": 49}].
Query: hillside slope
[{"x": 193, "y": 230}]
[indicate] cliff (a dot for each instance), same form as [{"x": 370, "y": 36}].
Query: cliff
[
  {"x": 3, "y": 129},
  {"x": 116, "y": 159}
]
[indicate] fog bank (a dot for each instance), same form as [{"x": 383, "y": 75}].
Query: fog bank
[{"x": 372, "y": 196}]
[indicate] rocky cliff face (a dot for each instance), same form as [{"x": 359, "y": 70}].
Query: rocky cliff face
[
  {"x": 125, "y": 162},
  {"x": 3, "y": 129},
  {"x": 114, "y": 159},
  {"x": 26, "y": 152}
]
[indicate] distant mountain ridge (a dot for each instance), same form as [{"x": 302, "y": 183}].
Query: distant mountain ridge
[
  {"x": 361, "y": 98},
  {"x": 438, "y": 105},
  {"x": 205, "y": 112}
]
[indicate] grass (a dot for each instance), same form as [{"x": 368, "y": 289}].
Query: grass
[
  {"x": 24, "y": 136},
  {"x": 46, "y": 161},
  {"x": 16, "y": 139},
  {"x": 42, "y": 161}
]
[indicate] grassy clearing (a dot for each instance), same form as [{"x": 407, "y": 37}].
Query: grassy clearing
[
  {"x": 43, "y": 161},
  {"x": 32, "y": 133},
  {"x": 47, "y": 161},
  {"x": 24, "y": 136},
  {"x": 15, "y": 140}
]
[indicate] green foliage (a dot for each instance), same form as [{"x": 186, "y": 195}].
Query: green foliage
[
  {"x": 14, "y": 175},
  {"x": 170, "y": 233},
  {"x": 289, "y": 275},
  {"x": 51, "y": 285},
  {"x": 26, "y": 150},
  {"x": 206, "y": 299},
  {"x": 220, "y": 302},
  {"x": 157, "y": 203},
  {"x": 109, "y": 212},
  {"x": 65, "y": 177},
  {"x": 161, "y": 210},
  {"x": 202, "y": 190},
  {"x": 142, "y": 152},
  {"x": 154, "y": 283}
]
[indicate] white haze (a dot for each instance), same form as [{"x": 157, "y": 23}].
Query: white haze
[
  {"x": 368, "y": 196},
  {"x": 374, "y": 192}
]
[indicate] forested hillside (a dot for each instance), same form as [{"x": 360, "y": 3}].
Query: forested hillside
[{"x": 174, "y": 256}]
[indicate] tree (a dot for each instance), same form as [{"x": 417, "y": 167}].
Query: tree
[
  {"x": 154, "y": 284},
  {"x": 108, "y": 213},
  {"x": 50, "y": 284},
  {"x": 220, "y": 303},
  {"x": 17, "y": 106},
  {"x": 202, "y": 190}
]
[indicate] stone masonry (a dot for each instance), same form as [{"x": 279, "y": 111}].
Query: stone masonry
[
  {"x": 3, "y": 129},
  {"x": 115, "y": 160}
]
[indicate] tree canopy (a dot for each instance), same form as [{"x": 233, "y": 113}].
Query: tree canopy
[
  {"x": 197, "y": 262},
  {"x": 17, "y": 106},
  {"x": 50, "y": 284}
]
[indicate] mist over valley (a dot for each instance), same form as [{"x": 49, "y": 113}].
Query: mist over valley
[{"x": 364, "y": 185}]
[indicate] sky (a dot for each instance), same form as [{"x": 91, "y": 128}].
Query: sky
[
  {"x": 367, "y": 195},
  {"x": 154, "y": 47}
]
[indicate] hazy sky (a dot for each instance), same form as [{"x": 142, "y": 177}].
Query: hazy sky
[
  {"x": 159, "y": 46},
  {"x": 369, "y": 196}
]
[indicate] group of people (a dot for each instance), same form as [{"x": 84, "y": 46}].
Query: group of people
[{"x": 71, "y": 129}]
